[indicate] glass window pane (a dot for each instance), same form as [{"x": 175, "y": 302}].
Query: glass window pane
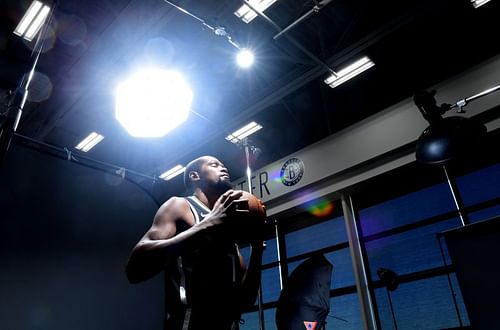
[
  {"x": 315, "y": 237},
  {"x": 270, "y": 252},
  {"x": 251, "y": 321},
  {"x": 269, "y": 319},
  {"x": 484, "y": 214},
  {"x": 480, "y": 186},
  {"x": 344, "y": 313},
  {"x": 269, "y": 255},
  {"x": 270, "y": 284},
  {"x": 342, "y": 274},
  {"x": 425, "y": 304},
  {"x": 407, "y": 209},
  {"x": 410, "y": 251}
]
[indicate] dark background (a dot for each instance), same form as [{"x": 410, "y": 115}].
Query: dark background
[{"x": 66, "y": 228}]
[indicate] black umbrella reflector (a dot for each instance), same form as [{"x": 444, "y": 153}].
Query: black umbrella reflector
[
  {"x": 448, "y": 139},
  {"x": 304, "y": 302}
]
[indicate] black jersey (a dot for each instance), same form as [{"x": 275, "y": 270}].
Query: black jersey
[{"x": 202, "y": 289}]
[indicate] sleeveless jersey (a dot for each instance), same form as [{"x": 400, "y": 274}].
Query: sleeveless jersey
[{"x": 202, "y": 289}]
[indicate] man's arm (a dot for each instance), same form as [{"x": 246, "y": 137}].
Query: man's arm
[{"x": 162, "y": 243}]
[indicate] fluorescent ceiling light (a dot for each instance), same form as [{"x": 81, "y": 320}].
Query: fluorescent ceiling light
[
  {"x": 153, "y": 102},
  {"x": 174, "y": 171},
  {"x": 243, "y": 132},
  {"x": 89, "y": 142},
  {"x": 479, "y": 3},
  {"x": 349, "y": 72},
  {"x": 32, "y": 20},
  {"x": 247, "y": 15}
]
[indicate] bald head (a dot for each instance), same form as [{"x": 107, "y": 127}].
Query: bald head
[
  {"x": 206, "y": 170},
  {"x": 193, "y": 166}
]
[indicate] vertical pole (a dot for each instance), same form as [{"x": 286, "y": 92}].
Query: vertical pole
[
  {"x": 392, "y": 309},
  {"x": 10, "y": 120},
  {"x": 457, "y": 197},
  {"x": 360, "y": 273},
  {"x": 249, "y": 178},
  {"x": 279, "y": 255}
]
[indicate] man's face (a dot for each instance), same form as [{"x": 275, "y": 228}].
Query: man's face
[{"x": 215, "y": 174}]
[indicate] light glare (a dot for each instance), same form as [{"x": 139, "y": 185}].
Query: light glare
[
  {"x": 245, "y": 58},
  {"x": 153, "y": 102}
]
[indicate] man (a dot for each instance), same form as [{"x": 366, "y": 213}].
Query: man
[{"x": 206, "y": 282}]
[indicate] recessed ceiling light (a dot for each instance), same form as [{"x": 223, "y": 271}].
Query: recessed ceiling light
[
  {"x": 173, "y": 172},
  {"x": 247, "y": 14},
  {"x": 32, "y": 20},
  {"x": 479, "y": 3},
  {"x": 350, "y": 71},
  {"x": 89, "y": 142},
  {"x": 243, "y": 132}
]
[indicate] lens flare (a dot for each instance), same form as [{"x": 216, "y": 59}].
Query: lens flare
[{"x": 321, "y": 208}]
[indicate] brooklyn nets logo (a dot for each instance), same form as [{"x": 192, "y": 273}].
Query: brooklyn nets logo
[{"x": 292, "y": 171}]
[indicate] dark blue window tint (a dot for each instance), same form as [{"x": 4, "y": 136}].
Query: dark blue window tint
[
  {"x": 480, "y": 186},
  {"x": 410, "y": 251},
  {"x": 344, "y": 313},
  {"x": 269, "y": 319},
  {"x": 315, "y": 237},
  {"x": 407, "y": 209},
  {"x": 270, "y": 252},
  {"x": 485, "y": 214},
  {"x": 270, "y": 284},
  {"x": 425, "y": 304},
  {"x": 252, "y": 320},
  {"x": 342, "y": 274},
  {"x": 269, "y": 255}
]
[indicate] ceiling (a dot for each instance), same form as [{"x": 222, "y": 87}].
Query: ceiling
[{"x": 90, "y": 46}]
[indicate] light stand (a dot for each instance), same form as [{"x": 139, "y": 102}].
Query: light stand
[
  {"x": 447, "y": 138},
  {"x": 439, "y": 144},
  {"x": 247, "y": 147},
  {"x": 10, "y": 119},
  {"x": 391, "y": 282}
]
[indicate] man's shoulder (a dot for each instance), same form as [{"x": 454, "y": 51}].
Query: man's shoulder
[{"x": 175, "y": 205}]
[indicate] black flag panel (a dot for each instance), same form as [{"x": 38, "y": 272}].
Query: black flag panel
[{"x": 304, "y": 302}]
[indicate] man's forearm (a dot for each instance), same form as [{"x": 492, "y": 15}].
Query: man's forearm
[{"x": 151, "y": 256}]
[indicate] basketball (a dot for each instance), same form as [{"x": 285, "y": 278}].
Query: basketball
[
  {"x": 248, "y": 224},
  {"x": 253, "y": 205}
]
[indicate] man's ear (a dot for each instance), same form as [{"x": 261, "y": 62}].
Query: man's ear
[{"x": 194, "y": 176}]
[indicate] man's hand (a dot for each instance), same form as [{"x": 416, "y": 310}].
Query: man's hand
[{"x": 228, "y": 204}]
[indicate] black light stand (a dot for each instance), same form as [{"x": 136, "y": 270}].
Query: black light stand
[
  {"x": 9, "y": 120},
  {"x": 391, "y": 282},
  {"x": 244, "y": 143},
  {"x": 445, "y": 139},
  {"x": 442, "y": 142}
]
